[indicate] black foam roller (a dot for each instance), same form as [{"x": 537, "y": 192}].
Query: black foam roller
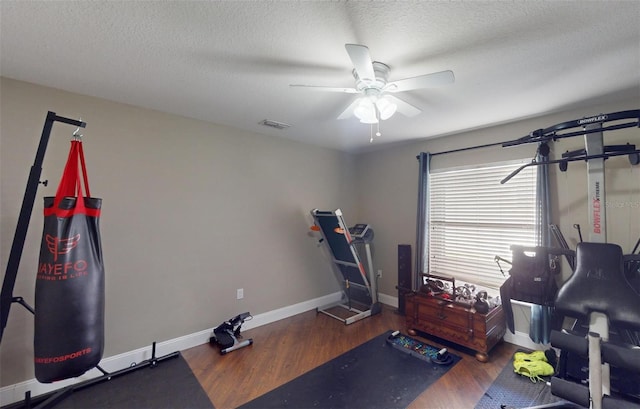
[{"x": 571, "y": 391}]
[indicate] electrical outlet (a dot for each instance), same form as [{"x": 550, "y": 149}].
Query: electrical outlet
[
  {"x": 240, "y": 293},
  {"x": 380, "y": 273}
]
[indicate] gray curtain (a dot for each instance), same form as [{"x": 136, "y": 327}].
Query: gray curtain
[
  {"x": 422, "y": 220},
  {"x": 540, "y": 325}
]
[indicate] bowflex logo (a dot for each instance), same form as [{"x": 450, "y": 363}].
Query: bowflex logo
[
  {"x": 65, "y": 270},
  {"x": 593, "y": 119},
  {"x": 596, "y": 206}
]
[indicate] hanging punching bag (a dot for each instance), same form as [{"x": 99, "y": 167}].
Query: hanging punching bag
[{"x": 69, "y": 294}]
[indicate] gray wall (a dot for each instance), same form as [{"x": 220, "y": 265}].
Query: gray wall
[{"x": 192, "y": 211}]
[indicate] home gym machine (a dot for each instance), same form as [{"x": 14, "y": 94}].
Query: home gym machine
[
  {"x": 359, "y": 289},
  {"x": 598, "y": 294}
]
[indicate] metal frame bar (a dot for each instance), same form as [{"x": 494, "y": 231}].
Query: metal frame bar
[
  {"x": 551, "y": 133},
  {"x": 594, "y": 146},
  {"x": 51, "y": 399},
  {"x": 573, "y": 159},
  {"x": 9, "y": 281},
  {"x": 599, "y": 372},
  {"x": 359, "y": 314}
]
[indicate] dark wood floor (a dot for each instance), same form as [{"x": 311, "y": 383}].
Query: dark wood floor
[{"x": 286, "y": 349}]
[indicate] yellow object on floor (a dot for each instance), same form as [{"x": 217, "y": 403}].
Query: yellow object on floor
[
  {"x": 533, "y": 369},
  {"x": 530, "y": 356}
]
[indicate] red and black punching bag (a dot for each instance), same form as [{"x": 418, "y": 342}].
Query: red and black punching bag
[{"x": 69, "y": 294}]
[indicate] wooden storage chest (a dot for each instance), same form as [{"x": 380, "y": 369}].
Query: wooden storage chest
[{"x": 457, "y": 323}]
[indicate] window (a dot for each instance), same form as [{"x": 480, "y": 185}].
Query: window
[{"x": 472, "y": 218}]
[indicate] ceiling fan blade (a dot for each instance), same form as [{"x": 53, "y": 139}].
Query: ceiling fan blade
[
  {"x": 348, "y": 113},
  {"x": 361, "y": 59},
  {"x": 326, "y": 89},
  {"x": 404, "y": 107},
  {"x": 421, "y": 81}
]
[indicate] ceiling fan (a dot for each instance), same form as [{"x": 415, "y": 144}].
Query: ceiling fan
[{"x": 375, "y": 102}]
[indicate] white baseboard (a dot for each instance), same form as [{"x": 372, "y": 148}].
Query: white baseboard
[
  {"x": 15, "y": 393},
  {"x": 388, "y": 299}
]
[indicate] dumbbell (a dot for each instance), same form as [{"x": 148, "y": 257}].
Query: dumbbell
[{"x": 442, "y": 358}]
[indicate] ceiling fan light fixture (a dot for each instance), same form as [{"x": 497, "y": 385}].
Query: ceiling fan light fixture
[
  {"x": 366, "y": 111},
  {"x": 370, "y": 120},
  {"x": 386, "y": 107},
  {"x": 372, "y": 84}
]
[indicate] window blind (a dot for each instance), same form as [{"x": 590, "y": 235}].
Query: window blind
[{"x": 473, "y": 218}]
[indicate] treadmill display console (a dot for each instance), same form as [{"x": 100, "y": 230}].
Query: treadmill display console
[{"x": 359, "y": 230}]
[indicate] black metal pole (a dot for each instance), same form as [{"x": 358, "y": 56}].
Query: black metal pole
[
  {"x": 548, "y": 134},
  {"x": 6, "y": 297},
  {"x": 51, "y": 399},
  {"x": 574, "y": 159}
]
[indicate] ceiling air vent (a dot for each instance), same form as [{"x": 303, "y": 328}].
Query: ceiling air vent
[{"x": 274, "y": 124}]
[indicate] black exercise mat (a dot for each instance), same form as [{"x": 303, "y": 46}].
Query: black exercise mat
[
  {"x": 516, "y": 391},
  {"x": 372, "y": 375},
  {"x": 170, "y": 384}
]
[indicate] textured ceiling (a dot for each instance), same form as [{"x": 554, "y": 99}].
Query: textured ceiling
[{"x": 231, "y": 62}]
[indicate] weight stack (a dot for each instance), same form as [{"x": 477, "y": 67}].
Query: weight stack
[{"x": 404, "y": 275}]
